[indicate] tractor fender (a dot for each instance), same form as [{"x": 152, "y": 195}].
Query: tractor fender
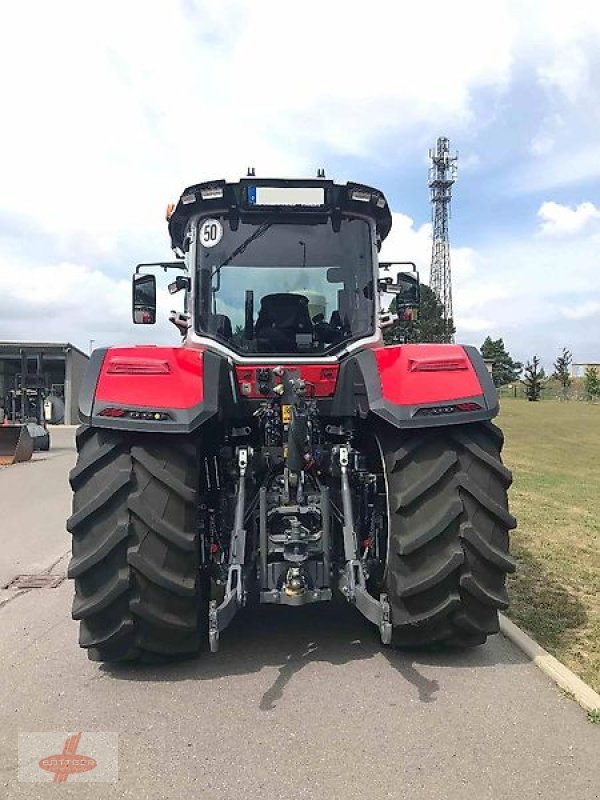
[
  {"x": 417, "y": 385},
  {"x": 151, "y": 388}
]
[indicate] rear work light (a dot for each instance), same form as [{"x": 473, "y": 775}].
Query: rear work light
[
  {"x": 138, "y": 366},
  {"x": 211, "y": 192},
  {"x": 147, "y": 415},
  {"x": 362, "y": 197}
]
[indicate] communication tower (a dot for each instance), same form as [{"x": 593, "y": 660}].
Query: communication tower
[{"x": 442, "y": 174}]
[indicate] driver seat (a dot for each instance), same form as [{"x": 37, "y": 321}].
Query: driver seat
[{"x": 281, "y": 317}]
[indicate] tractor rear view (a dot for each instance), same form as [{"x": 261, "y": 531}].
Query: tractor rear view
[{"x": 281, "y": 454}]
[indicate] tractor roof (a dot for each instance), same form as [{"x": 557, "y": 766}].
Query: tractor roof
[{"x": 253, "y": 197}]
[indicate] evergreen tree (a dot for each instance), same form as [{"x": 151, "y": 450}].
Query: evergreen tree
[
  {"x": 534, "y": 375},
  {"x": 562, "y": 371},
  {"x": 504, "y": 369},
  {"x": 591, "y": 382},
  {"x": 428, "y": 327}
]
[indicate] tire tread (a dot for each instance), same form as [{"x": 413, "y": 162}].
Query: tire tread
[
  {"x": 135, "y": 546},
  {"x": 448, "y": 550}
]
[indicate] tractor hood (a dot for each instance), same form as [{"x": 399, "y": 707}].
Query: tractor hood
[{"x": 285, "y": 199}]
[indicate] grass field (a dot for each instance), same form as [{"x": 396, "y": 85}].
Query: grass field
[{"x": 553, "y": 449}]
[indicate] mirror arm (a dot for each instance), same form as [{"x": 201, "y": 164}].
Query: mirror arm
[
  {"x": 385, "y": 265},
  {"x": 180, "y": 283},
  {"x": 165, "y": 265}
]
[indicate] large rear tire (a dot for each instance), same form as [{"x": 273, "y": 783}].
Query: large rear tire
[
  {"x": 138, "y": 593},
  {"x": 448, "y": 548}
]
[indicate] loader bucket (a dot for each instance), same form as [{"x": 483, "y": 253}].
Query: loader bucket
[{"x": 15, "y": 444}]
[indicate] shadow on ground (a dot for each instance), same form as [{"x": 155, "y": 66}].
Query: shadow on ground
[
  {"x": 291, "y": 638},
  {"x": 547, "y": 608}
]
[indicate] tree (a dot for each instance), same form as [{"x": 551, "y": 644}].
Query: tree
[
  {"x": 534, "y": 375},
  {"x": 504, "y": 369},
  {"x": 428, "y": 327},
  {"x": 591, "y": 383},
  {"x": 562, "y": 371}
]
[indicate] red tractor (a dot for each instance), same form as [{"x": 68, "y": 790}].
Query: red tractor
[{"x": 282, "y": 453}]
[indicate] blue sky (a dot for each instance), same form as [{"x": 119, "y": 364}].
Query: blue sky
[{"x": 111, "y": 109}]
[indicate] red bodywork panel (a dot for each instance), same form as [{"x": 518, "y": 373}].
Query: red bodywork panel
[
  {"x": 152, "y": 377},
  {"x": 322, "y": 378},
  {"x": 411, "y": 374},
  {"x": 173, "y": 377}
]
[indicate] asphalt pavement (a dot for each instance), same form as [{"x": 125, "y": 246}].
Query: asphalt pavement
[{"x": 298, "y": 703}]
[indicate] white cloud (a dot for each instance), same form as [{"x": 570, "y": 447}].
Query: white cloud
[
  {"x": 560, "y": 220},
  {"x": 568, "y": 71},
  {"x": 476, "y": 325},
  {"x": 407, "y": 243},
  {"x": 540, "y": 294},
  {"x": 112, "y": 108},
  {"x": 572, "y": 160},
  {"x": 557, "y": 43},
  {"x": 542, "y": 144},
  {"x": 591, "y": 308},
  {"x": 108, "y": 124},
  {"x": 473, "y": 290},
  {"x": 72, "y": 302},
  {"x": 470, "y": 163}
]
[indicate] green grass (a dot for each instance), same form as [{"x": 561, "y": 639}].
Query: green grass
[
  {"x": 594, "y": 716},
  {"x": 553, "y": 449}
]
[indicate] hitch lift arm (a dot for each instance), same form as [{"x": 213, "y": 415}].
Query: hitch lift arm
[
  {"x": 219, "y": 617},
  {"x": 353, "y": 580}
]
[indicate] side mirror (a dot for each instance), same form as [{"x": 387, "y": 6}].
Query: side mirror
[
  {"x": 409, "y": 290},
  {"x": 407, "y": 296},
  {"x": 406, "y": 288},
  {"x": 144, "y": 299}
]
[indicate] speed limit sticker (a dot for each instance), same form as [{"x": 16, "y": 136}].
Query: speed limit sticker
[{"x": 211, "y": 232}]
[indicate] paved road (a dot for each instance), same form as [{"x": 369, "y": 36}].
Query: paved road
[{"x": 299, "y": 703}]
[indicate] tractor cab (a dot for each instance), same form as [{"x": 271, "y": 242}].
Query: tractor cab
[
  {"x": 278, "y": 267},
  {"x": 284, "y": 287}
]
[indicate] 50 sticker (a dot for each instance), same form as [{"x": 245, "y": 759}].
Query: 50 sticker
[{"x": 211, "y": 232}]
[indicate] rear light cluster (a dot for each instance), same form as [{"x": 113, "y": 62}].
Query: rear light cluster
[
  {"x": 137, "y": 366},
  {"x": 152, "y": 416},
  {"x": 437, "y": 411},
  {"x": 437, "y": 364}
]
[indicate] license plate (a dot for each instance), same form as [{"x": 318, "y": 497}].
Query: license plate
[
  {"x": 286, "y": 196},
  {"x": 286, "y": 414}
]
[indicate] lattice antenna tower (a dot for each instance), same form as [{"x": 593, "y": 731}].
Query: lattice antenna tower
[{"x": 442, "y": 174}]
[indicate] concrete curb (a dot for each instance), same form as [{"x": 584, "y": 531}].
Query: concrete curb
[{"x": 563, "y": 677}]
